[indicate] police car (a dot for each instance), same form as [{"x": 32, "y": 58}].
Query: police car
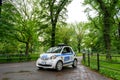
[{"x": 57, "y": 57}]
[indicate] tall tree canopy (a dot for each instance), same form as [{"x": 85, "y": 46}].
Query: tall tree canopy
[
  {"x": 7, "y": 27},
  {"x": 107, "y": 11},
  {"x": 55, "y": 10},
  {"x": 26, "y": 24},
  {"x": 22, "y": 20}
]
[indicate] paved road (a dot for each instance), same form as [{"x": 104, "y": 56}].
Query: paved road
[{"x": 28, "y": 71}]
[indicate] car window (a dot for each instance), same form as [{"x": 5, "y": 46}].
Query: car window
[
  {"x": 54, "y": 50},
  {"x": 67, "y": 50}
]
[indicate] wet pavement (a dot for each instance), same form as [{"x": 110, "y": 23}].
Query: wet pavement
[{"x": 28, "y": 71}]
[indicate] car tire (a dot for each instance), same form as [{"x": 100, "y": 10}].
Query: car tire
[
  {"x": 59, "y": 66},
  {"x": 39, "y": 68},
  {"x": 74, "y": 65}
]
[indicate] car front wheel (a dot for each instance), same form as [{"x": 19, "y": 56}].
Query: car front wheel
[
  {"x": 59, "y": 66},
  {"x": 74, "y": 65},
  {"x": 39, "y": 68}
]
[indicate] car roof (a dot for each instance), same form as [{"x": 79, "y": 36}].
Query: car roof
[{"x": 62, "y": 45}]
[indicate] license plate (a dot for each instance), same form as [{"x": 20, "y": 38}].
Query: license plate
[{"x": 43, "y": 62}]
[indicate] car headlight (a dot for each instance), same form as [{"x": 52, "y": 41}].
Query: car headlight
[{"x": 53, "y": 57}]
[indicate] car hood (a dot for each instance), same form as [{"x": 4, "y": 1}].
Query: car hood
[{"x": 48, "y": 55}]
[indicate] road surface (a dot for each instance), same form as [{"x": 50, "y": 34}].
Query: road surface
[{"x": 28, "y": 71}]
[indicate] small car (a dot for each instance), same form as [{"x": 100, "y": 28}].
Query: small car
[{"x": 57, "y": 57}]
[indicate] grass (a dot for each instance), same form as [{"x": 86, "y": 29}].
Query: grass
[
  {"x": 109, "y": 68},
  {"x": 5, "y": 79},
  {"x": 79, "y": 54}
]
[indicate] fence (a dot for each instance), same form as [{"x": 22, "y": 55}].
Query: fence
[
  {"x": 99, "y": 61},
  {"x": 5, "y": 58}
]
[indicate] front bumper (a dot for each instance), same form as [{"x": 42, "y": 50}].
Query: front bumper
[{"x": 46, "y": 63}]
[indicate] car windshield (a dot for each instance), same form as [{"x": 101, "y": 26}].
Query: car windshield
[{"x": 54, "y": 50}]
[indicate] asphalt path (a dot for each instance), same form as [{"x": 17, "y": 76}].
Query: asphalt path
[{"x": 28, "y": 71}]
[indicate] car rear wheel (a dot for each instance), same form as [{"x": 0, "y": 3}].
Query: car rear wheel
[
  {"x": 59, "y": 66},
  {"x": 74, "y": 65}
]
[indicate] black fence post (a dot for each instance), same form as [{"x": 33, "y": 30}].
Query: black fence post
[
  {"x": 20, "y": 58},
  {"x": 88, "y": 59},
  {"x": 84, "y": 58},
  {"x": 8, "y": 58},
  {"x": 98, "y": 62}
]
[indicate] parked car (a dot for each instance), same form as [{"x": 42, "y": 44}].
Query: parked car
[{"x": 57, "y": 57}]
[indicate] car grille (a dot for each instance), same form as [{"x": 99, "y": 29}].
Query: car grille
[
  {"x": 44, "y": 58},
  {"x": 47, "y": 65}
]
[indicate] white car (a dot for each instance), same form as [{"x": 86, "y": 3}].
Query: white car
[{"x": 57, "y": 57}]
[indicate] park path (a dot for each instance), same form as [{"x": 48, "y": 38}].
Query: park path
[
  {"x": 87, "y": 74},
  {"x": 28, "y": 71}
]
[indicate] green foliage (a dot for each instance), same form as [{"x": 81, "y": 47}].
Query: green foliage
[
  {"x": 5, "y": 21},
  {"x": 112, "y": 74},
  {"x": 64, "y": 34},
  {"x": 79, "y": 54},
  {"x": 106, "y": 11},
  {"x": 7, "y": 43},
  {"x": 78, "y": 34},
  {"x": 19, "y": 26},
  {"x": 55, "y": 10}
]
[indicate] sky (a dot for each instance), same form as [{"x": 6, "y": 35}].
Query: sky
[{"x": 76, "y": 12}]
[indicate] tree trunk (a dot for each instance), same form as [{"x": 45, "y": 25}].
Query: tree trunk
[
  {"x": 0, "y": 7},
  {"x": 53, "y": 35},
  {"x": 118, "y": 46},
  {"x": 28, "y": 46},
  {"x": 79, "y": 41},
  {"x": 107, "y": 15},
  {"x": 27, "y": 49},
  {"x": 118, "y": 36},
  {"x": 106, "y": 35},
  {"x": 119, "y": 30}
]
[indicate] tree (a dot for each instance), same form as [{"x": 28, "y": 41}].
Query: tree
[
  {"x": 0, "y": 7},
  {"x": 116, "y": 33},
  {"x": 26, "y": 22},
  {"x": 79, "y": 30},
  {"x": 64, "y": 34},
  {"x": 7, "y": 29},
  {"x": 104, "y": 7},
  {"x": 55, "y": 10},
  {"x": 7, "y": 18}
]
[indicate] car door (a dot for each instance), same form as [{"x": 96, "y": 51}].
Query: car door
[{"x": 67, "y": 55}]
